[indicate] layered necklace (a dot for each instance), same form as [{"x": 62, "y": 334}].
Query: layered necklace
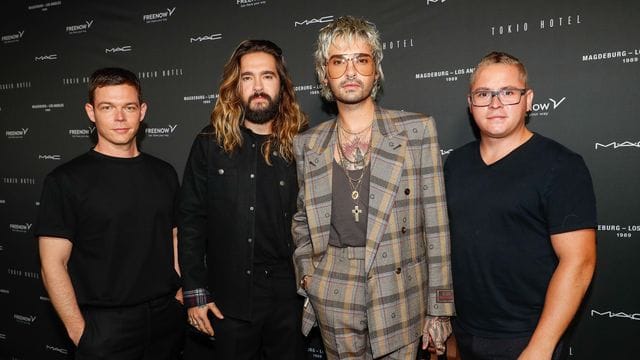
[{"x": 359, "y": 161}]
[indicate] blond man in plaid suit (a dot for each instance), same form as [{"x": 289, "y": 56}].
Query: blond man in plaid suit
[{"x": 371, "y": 230}]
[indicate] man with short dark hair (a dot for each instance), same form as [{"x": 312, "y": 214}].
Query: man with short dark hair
[
  {"x": 371, "y": 230},
  {"x": 522, "y": 212},
  {"x": 107, "y": 235},
  {"x": 238, "y": 197}
]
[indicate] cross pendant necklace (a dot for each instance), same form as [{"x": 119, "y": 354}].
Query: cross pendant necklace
[{"x": 356, "y": 213}]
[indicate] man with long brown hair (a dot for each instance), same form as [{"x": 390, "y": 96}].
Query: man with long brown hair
[{"x": 238, "y": 196}]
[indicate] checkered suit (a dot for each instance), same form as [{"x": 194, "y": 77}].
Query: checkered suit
[{"x": 407, "y": 253}]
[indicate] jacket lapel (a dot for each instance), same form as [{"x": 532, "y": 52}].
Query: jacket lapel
[
  {"x": 387, "y": 159},
  {"x": 318, "y": 175}
]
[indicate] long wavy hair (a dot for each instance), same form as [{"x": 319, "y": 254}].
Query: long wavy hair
[{"x": 228, "y": 115}]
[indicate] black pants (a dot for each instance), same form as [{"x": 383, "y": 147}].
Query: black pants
[
  {"x": 150, "y": 331},
  {"x": 274, "y": 331},
  {"x": 473, "y": 347}
]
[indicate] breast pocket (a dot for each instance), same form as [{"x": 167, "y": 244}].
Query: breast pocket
[{"x": 223, "y": 183}]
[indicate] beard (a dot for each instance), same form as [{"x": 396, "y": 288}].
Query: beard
[{"x": 264, "y": 114}]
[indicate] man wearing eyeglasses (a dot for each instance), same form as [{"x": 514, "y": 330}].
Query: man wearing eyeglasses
[
  {"x": 522, "y": 212},
  {"x": 371, "y": 230}
]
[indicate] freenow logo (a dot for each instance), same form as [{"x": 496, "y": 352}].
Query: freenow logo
[
  {"x": 160, "y": 132},
  {"x": 56, "y": 349},
  {"x": 17, "y": 134},
  {"x": 46, "y": 57},
  {"x": 202, "y": 38},
  {"x": 159, "y": 16},
  {"x": 20, "y": 228},
  {"x": 11, "y": 38},
  {"x": 324, "y": 19},
  {"x": 614, "y": 145},
  {"x": 47, "y": 107},
  {"x": 23, "y": 319},
  {"x": 444, "y": 152},
  {"x": 82, "y": 133},
  {"x": 542, "y": 109},
  {"x": 49, "y": 157},
  {"x": 79, "y": 29},
  {"x": 610, "y": 314},
  {"x": 431, "y": 2},
  {"x": 247, "y": 3},
  {"x": 125, "y": 48}
]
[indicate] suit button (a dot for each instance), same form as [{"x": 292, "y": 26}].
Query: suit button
[
  {"x": 252, "y": 176},
  {"x": 336, "y": 291},
  {"x": 220, "y": 171},
  {"x": 253, "y": 145},
  {"x": 249, "y": 240},
  {"x": 248, "y": 272},
  {"x": 398, "y": 270},
  {"x": 393, "y": 315},
  {"x": 251, "y": 208},
  {"x": 404, "y": 230},
  {"x": 281, "y": 183},
  {"x": 407, "y": 191},
  {"x": 384, "y": 254}
]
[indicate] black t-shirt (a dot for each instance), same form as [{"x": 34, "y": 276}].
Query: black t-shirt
[
  {"x": 119, "y": 214},
  {"x": 269, "y": 248},
  {"x": 501, "y": 217}
]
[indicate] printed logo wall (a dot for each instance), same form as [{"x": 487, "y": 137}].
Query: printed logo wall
[{"x": 585, "y": 56}]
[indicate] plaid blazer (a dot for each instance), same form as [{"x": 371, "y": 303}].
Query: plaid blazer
[{"x": 407, "y": 255}]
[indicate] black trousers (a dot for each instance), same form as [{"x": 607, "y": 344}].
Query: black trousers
[
  {"x": 274, "y": 331},
  {"x": 149, "y": 331},
  {"x": 473, "y": 347}
]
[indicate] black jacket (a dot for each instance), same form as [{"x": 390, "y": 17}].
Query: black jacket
[{"x": 216, "y": 221}]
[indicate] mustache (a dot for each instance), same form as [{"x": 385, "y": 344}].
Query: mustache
[
  {"x": 351, "y": 81},
  {"x": 260, "y": 94}
]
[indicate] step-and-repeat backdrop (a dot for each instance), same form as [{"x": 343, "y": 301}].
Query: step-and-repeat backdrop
[{"x": 583, "y": 58}]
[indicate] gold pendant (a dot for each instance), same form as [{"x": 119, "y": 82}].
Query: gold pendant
[{"x": 355, "y": 194}]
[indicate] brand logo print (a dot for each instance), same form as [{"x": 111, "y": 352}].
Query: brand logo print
[
  {"x": 11, "y": 38},
  {"x": 5, "y": 291},
  {"x": 44, "y": 6},
  {"x": 615, "y": 145},
  {"x": 47, "y": 107},
  {"x": 47, "y": 57},
  {"x": 444, "y": 152},
  {"x": 21, "y": 181},
  {"x": 82, "y": 133},
  {"x": 542, "y": 109},
  {"x": 79, "y": 29},
  {"x": 23, "y": 319},
  {"x": 17, "y": 134},
  {"x": 20, "y": 228},
  {"x": 620, "y": 231},
  {"x": 161, "y": 132},
  {"x": 159, "y": 16},
  {"x": 56, "y": 349},
  {"x": 246, "y": 3},
  {"x": 206, "y": 99},
  {"x": 429, "y": 2},
  {"x": 612, "y": 314},
  {"x": 49, "y": 157},
  {"x": 206, "y": 38},
  {"x": 125, "y": 48},
  {"x": 324, "y": 19}
]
